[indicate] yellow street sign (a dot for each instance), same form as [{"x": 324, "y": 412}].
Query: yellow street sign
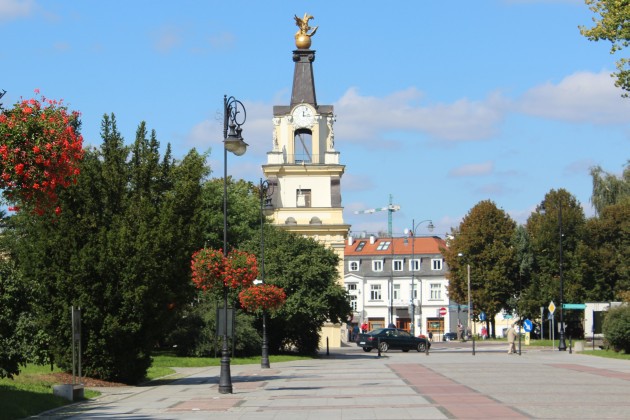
[{"x": 551, "y": 307}]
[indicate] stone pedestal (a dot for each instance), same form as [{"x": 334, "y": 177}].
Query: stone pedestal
[{"x": 71, "y": 392}]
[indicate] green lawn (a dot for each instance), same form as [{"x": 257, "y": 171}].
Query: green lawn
[{"x": 30, "y": 392}]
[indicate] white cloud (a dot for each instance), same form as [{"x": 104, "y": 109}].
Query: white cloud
[
  {"x": 475, "y": 169},
  {"x": 370, "y": 118},
  {"x": 581, "y": 97},
  {"x": 11, "y": 9},
  {"x": 167, "y": 38},
  {"x": 581, "y": 167}
]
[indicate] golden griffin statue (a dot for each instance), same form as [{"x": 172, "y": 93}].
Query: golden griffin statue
[{"x": 304, "y": 34}]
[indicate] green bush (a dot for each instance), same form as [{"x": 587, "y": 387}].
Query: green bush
[{"x": 616, "y": 328}]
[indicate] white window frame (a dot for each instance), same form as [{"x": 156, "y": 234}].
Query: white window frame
[
  {"x": 414, "y": 264},
  {"x": 352, "y": 286},
  {"x": 396, "y": 292},
  {"x": 353, "y": 265},
  {"x": 377, "y": 265},
  {"x": 435, "y": 291},
  {"x": 376, "y": 292},
  {"x": 436, "y": 264},
  {"x": 353, "y": 302},
  {"x": 397, "y": 265}
]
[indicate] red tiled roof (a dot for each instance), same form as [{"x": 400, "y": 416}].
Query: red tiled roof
[{"x": 422, "y": 245}]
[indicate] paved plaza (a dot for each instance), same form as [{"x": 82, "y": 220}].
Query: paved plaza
[{"x": 350, "y": 384}]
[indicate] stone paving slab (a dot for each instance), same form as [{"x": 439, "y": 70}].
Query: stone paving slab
[{"x": 350, "y": 384}]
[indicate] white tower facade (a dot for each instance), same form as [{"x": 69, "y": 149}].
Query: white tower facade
[{"x": 303, "y": 168}]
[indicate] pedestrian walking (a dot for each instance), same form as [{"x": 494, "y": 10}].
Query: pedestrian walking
[{"x": 511, "y": 338}]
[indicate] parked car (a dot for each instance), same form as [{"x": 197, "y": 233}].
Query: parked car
[
  {"x": 391, "y": 338},
  {"x": 449, "y": 336}
]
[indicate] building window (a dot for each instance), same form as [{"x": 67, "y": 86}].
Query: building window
[
  {"x": 382, "y": 246},
  {"x": 436, "y": 264},
  {"x": 303, "y": 198},
  {"x": 375, "y": 292},
  {"x": 397, "y": 265},
  {"x": 414, "y": 265},
  {"x": 353, "y": 266},
  {"x": 436, "y": 291},
  {"x": 360, "y": 246},
  {"x": 302, "y": 146},
  {"x": 351, "y": 286},
  {"x": 377, "y": 265},
  {"x": 353, "y": 302},
  {"x": 396, "y": 294}
]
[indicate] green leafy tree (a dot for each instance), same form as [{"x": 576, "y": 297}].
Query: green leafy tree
[
  {"x": 484, "y": 240},
  {"x": 16, "y": 324},
  {"x": 558, "y": 214},
  {"x": 605, "y": 257},
  {"x": 612, "y": 25},
  {"x": 609, "y": 189},
  {"x": 307, "y": 270},
  {"x": 120, "y": 250}
]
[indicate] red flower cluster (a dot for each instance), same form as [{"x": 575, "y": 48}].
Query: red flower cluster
[
  {"x": 40, "y": 152},
  {"x": 261, "y": 297},
  {"x": 210, "y": 269}
]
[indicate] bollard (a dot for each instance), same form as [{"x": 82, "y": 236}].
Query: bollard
[
  {"x": 426, "y": 348},
  {"x": 473, "y": 340},
  {"x": 570, "y": 345},
  {"x": 378, "y": 347},
  {"x": 327, "y": 348}
]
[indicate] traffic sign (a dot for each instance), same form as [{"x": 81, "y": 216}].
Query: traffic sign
[
  {"x": 527, "y": 325},
  {"x": 482, "y": 316},
  {"x": 551, "y": 307},
  {"x": 442, "y": 311}
]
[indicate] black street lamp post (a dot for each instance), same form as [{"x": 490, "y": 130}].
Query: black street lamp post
[
  {"x": 562, "y": 345},
  {"x": 266, "y": 209},
  {"x": 412, "y": 306},
  {"x": 233, "y": 142},
  {"x": 470, "y": 304}
]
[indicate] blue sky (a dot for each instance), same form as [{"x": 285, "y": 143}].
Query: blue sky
[{"x": 440, "y": 104}]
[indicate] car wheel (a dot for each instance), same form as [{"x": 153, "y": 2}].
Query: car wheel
[
  {"x": 384, "y": 347},
  {"x": 421, "y": 347},
  {"x": 367, "y": 349}
]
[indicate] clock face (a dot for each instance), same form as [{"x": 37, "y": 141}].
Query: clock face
[{"x": 303, "y": 116}]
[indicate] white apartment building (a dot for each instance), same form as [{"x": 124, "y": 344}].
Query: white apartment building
[{"x": 400, "y": 281}]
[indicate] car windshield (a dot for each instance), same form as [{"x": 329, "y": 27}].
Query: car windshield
[{"x": 376, "y": 331}]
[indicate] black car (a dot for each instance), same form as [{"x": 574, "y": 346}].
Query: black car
[
  {"x": 449, "y": 336},
  {"x": 391, "y": 338}
]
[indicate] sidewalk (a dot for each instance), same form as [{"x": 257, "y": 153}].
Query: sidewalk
[{"x": 352, "y": 384}]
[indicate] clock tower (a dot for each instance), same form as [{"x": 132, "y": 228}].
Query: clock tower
[{"x": 303, "y": 165}]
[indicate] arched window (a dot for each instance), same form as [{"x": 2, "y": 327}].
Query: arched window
[{"x": 303, "y": 146}]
